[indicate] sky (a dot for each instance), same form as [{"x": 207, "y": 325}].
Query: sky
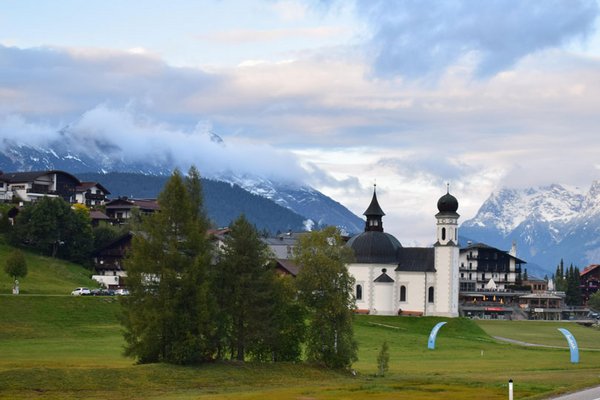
[{"x": 340, "y": 95}]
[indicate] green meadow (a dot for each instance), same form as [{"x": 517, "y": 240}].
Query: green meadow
[{"x": 54, "y": 346}]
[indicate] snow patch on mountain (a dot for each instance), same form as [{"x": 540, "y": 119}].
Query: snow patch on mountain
[{"x": 548, "y": 223}]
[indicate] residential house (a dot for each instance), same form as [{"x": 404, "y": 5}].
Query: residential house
[
  {"x": 108, "y": 261},
  {"x": 31, "y": 186},
  {"x": 120, "y": 210},
  {"x": 589, "y": 281},
  {"x": 91, "y": 194}
]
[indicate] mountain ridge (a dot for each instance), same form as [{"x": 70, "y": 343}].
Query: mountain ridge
[
  {"x": 315, "y": 208},
  {"x": 548, "y": 223}
]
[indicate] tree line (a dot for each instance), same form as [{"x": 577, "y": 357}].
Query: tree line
[
  {"x": 568, "y": 280},
  {"x": 191, "y": 303}
]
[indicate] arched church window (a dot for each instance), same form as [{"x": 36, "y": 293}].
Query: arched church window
[
  {"x": 358, "y": 292},
  {"x": 402, "y": 293},
  {"x": 443, "y": 233},
  {"x": 430, "y": 294}
]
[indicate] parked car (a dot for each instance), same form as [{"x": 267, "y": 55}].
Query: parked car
[
  {"x": 81, "y": 291},
  {"x": 102, "y": 292},
  {"x": 122, "y": 292}
]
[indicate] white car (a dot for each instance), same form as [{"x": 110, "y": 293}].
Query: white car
[
  {"x": 81, "y": 291},
  {"x": 122, "y": 292}
]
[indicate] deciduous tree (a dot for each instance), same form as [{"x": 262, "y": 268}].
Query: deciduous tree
[
  {"x": 326, "y": 289},
  {"x": 15, "y": 265}
]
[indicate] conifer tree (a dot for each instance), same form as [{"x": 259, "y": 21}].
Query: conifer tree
[
  {"x": 259, "y": 317},
  {"x": 169, "y": 315},
  {"x": 326, "y": 289},
  {"x": 383, "y": 359}
]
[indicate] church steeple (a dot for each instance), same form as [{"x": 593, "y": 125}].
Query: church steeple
[{"x": 374, "y": 214}]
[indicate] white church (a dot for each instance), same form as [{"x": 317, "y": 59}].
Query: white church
[{"x": 396, "y": 280}]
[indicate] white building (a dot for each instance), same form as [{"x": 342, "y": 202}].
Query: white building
[
  {"x": 392, "y": 280},
  {"x": 31, "y": 186}
]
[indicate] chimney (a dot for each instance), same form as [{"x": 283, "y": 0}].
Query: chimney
[{"x": 513, "y": 249}]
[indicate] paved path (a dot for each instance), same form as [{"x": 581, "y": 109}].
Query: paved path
[{"x": 588, "y": 394}]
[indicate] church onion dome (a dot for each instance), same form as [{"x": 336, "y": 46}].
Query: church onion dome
[
  {"x": 447, "y": 204},
  {"x": 375, "y": 247}
]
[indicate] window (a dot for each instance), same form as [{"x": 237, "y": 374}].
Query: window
[
  {"x": 430, "y": 294},
  {"x": 443, "y": 233},
  {"x": 358, "y": 292},
  {"x": 402, "y": 293}
]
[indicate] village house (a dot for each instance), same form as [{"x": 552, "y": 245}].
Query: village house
[
  {"x": 121, "y": 209},
  {"x": 33, "y": 185},
  {"x": 91, "y": 194}
]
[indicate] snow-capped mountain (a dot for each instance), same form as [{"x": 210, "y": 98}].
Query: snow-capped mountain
[
  {"x": 318, "y": 209},
  {"x": 547, "y": 223},
  {"x": 302, "y": 199}
]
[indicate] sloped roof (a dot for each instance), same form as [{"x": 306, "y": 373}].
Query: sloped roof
[
  {"x": 384, "y": 277},
  {"x": 589, "y": 269},
  {"x": 30, "y": 176},
  {"x": 87, "y": 185},
  {"x": 416, "y": 259},
  {"x": 98, "y": 215},
  {"x": 287, "y": 266},
  {"x": 485, "y": 246}
]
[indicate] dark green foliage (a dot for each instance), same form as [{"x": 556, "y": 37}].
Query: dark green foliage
[
  {"x": 594, "y": 301},
  {"x": 573, "y": 292},
  {"x": 52, "y": 228},
  {"x": 560, "y": 282},
  {"x": 383, "y": 359},
  {"x": 568, "y": 280},
  {"x": 259, "y": 316},
  {"x": 106, "y": 234},
  {"x": 325, "y": 288},
  {"x": 4, "y": 210},
  {"x": 15, "y": 264},
  {"x": 168, "y": 316}
]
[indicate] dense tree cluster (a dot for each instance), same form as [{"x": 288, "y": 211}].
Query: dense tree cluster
[
  {"x": 191, "y": 303},
  {"x": 51, "y": 227},
  {"x": 568, "y": 280}
]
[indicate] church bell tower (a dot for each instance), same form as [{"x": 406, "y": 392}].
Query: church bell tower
[{"x": 446, "y": 257}]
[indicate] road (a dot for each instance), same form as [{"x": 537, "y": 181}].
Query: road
[{"x": 588, "y": 394}]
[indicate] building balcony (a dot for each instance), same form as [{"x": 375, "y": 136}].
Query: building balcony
[{"x": 93, "y": 196}]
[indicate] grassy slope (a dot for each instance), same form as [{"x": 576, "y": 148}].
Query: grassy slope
[
  {"x": 543, "y": 332},
  {"x": 64, "y": 347},
  {"x": 45, "y": 275}
]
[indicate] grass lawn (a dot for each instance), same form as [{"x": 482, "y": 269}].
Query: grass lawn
[
  {"x": 543, "y": 332},
  {"x": 45, "y": 275},
  {"x": 60, "y": 347}
]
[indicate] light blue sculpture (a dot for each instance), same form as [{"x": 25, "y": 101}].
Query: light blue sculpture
[
  {"x": 572, "y": 345},
  {"x": 433, "y": 334}
]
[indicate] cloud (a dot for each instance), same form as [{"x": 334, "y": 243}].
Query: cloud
[
  {"x": 125, "y": 136},
  {"x": 245, "y": 36},
  {"x": 417, "y": 40}
]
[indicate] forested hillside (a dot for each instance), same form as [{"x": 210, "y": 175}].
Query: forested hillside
[{"x": 224, "y": 202}]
